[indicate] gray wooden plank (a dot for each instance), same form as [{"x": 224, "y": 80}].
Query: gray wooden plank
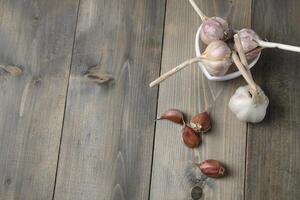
[
  {"x": 37, "y": 35},
  {"x": 273, "y": 166},
  {"x": 191, "y": 92},
  {"x": 108, "y": 132}
]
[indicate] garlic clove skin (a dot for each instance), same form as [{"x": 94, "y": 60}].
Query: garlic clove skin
[
  {"x": 218, "y": 58},
  {"x": 249, "y": 105},
  {"x": 211, "y": 30}
]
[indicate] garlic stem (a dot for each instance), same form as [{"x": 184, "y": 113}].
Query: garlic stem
[
  {"x": 174, "y": 70},
  {"x": 241, "y": 52},
  {"x": 243, "y": 71},
  {"x": 197, "y": 9},
  {"x": 277, "y": 45}
]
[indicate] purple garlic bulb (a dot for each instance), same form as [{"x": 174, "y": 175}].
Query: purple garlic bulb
[
  {"x": 213, "y": 29},
  {"x": 248, "y": 38},
  {"x": 217, "y": 58}
]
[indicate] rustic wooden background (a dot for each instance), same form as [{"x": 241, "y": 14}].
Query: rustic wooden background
[{"x": 63, "y": 137}]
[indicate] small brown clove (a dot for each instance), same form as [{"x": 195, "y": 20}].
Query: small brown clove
[
  {"x": 212, "y": 168},
  {"x": 173, "y": 115},
  {"x": 190, "y": 138},
  {"x": 201, "y": 122}
]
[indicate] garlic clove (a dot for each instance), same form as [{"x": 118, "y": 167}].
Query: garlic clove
[
  {"x": 190, "y": 138},
  {"x": 249, "y": 105},
  {"x": 173, "y": 115},
  {"x": 212, "y": 168},
  {"x": 201, "y": 122}
]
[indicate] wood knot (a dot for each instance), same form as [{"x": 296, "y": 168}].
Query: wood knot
[
  {"x": 7, "y": 181},
  {"x": 12, "y": 70},
  {"x": 35, "y": 18},
  {"x": 97, "y": 75},
  {"x": 196, "y": 193},
  {"x": 36, "y": 81}
]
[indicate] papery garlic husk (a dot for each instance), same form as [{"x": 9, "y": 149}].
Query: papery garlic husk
[
  {"x": 249, "y": 105},
  {"x": 213, "y": 29},
  {"x": 218, "y": 56}
]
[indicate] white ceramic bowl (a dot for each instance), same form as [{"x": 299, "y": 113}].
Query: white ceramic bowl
[{"x": 218, "y": 78}]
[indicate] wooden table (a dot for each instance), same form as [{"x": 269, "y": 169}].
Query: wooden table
[{"x": 64, "y": 137}]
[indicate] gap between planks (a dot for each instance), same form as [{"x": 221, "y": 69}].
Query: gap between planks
[
  {"x": 156, "y": 112},
  {"x": 62, "y": 126}
]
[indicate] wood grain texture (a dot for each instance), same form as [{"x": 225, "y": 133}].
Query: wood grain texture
[
  {"x": 173, "y": 171},
  {"x": 273, "y": 166},
  {"x": 107, "y": 141},
  {"x": 38, "y": 36}
]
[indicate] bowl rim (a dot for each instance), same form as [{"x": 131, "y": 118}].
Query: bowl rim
[{"x": 226, "y": 77}]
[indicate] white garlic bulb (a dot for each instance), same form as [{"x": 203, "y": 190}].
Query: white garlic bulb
[{"x": 249, "y": 105}]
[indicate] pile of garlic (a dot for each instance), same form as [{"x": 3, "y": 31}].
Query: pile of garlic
[{"x": 225, "y": 47}]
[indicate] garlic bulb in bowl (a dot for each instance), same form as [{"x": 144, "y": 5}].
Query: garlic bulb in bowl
[
  {"x": 217, "y": 58},
  {"x": 252, "y": 44},
  {"x": 213, "y": 28}
]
